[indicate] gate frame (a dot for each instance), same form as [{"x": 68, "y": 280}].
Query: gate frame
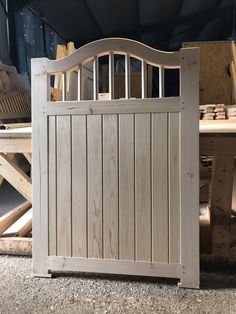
[{"x": 187, "y": 59}]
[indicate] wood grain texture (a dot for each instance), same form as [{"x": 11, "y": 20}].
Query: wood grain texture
[
  {"x": 110, "y": 186},
  {"x": 126, "y": 187},
  {"x": 174, "y": 188},
  {"x": 94, "y": 151},
  {"x": 79, "y": 186},
  {"x": 64, "y": 186},
  {"x": 52, "y": 185},
  {"x": 221, "y": 204},
  {"x": 189, "y": 133},
  {"x": 160, "y": 206},
  {"x": 143, "y": 187}
]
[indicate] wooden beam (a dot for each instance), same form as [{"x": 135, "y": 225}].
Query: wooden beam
[
  {"x": 16, "y": 246},
  {"x": 16, "y": 177},
  {"x": 221, "y": 204},
  {"x": 233, "y": 76},
  {"x": 21, "y": 227},
  {"x": 9, "y": 218},
  {"x": 28, "y": 156}
]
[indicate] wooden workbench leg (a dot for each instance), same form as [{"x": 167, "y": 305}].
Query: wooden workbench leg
[{"x": 221, "y": 204}]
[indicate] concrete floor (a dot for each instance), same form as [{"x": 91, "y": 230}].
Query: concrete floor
[
  {"x": 83, "y": 293},
  {"x": 22, "y": 294}
]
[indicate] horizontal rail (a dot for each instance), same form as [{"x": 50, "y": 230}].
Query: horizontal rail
[
  {"x": 114, "y": 267},
  {"x": 120, "y": 106},
  {"x": 117, "y": 46}
]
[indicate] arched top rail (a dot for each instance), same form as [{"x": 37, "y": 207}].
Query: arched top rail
[{"x": 107, "y": 46}]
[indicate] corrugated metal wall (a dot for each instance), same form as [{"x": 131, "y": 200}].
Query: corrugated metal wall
[{"x": 4, "y": 45}]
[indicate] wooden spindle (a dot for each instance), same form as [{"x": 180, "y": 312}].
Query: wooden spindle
[
  {"x": 127, "y": 76},
  {"x": 144, "y": 79},
  {"x": 95, "y": 79},
  {"x": 111, "y": 76},
  {"x": 64, "y": 86},
  {"x": 80, "y": 82},
  {"x": 161, "y": 82}
]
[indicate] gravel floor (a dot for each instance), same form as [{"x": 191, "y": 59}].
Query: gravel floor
[{"x": 21, "y": 293}]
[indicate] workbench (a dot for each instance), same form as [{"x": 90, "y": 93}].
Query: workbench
[{"x": 218, "y": 139}]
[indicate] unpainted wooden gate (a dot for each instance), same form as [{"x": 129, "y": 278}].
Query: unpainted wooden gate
[{"x": 115, "y": 182}]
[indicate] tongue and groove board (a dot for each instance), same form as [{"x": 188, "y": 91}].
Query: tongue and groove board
[{"x": 114, "y": 192}]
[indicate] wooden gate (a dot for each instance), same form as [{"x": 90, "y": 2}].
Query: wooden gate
[{"x": 115, "y": 182}]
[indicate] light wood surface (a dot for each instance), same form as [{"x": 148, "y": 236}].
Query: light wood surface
[{"x": 107, "y": 149}]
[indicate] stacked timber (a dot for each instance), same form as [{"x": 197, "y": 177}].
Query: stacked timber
[
  {"x": 212, "y": 112},
  {"x": 231, "y": 112}
]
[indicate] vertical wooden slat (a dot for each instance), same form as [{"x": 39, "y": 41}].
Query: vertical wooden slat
[
  {"x": 110, "y": 186},
  {"x": 111, "y": 76},
  {"x": 95, "y": 79},
  {"x": 63, "y": 186},
  {"x": 221, "y": 204},
  {"x": 94, "y": 157},
  {"x": 52, "y": 192},
  {"x": 126, "y": 187},
  {"x": 142, "y": 187},
  {"x": 174, "y": 189},
  {"x": 80, "y": 82},
  {"x": 161, "y": 82},
  {"x": 40, "y": 167},
  {"x": 127, "y": 76},
  {"x": 144, "y": 79},
  {"x": 189, "y": 77},
  {"x": 160, "y": 225},
  {"x": 79, "y": 186}
]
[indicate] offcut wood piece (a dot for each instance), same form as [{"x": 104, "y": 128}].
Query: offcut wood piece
[
  {"x": 16, "y": 246},
  {"x": 21, "y": 227},
  {"x": 16, "y": 177},
  {"x": 9, "y": 218}
]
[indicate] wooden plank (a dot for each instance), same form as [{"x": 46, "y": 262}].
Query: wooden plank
[
  {"x": 94, "y": 157},
  {"x": 9, "y": 218},
  {"x": 233, "y": 77},
  {"x": 64, "y": 186},
  {"x": 174, "y": 189},
  {"x": 114, "y": 267},
  {"x": 126, "y": 187},
  {"x": 16, "y": 246},
  {"x": 28, "y": 156},
  {"x": 110, "y": 186},
  {"x": 221, "y": 204},
  {"x": 170, "y": 104},
  {"x": 20, "y": 227},
  {"x": 160, "y": 216},
  {"x": 79, "y": 186},
  {"x": 189, "y": 85},
  {"x": 16, "y": 177},
  {"x": 15, "y": 145},
  {"x": 143, "y": 187},
  {"x": 52, "y": 191},
  {"x": 40, "y": 96}
]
